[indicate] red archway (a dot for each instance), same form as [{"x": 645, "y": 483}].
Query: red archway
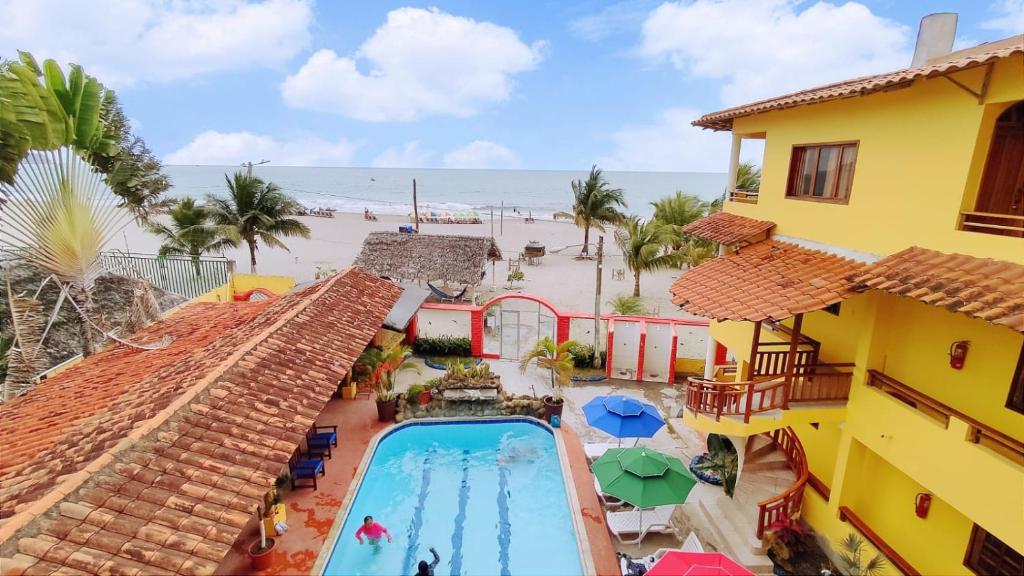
[{"x": 477, "y": 320}]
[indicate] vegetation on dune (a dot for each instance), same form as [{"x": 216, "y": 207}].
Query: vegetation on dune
[
  {"x": 595, "y": 204},
  {"x": 255, "y": 211},
  {"x": 191, "y": 234},
  {"x": 646, "y": 247}
]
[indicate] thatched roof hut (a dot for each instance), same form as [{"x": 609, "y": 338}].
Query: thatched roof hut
[{"x": 428, "y": 257}]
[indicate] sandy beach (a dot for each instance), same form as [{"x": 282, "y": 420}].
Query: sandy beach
[{"x": 568, "y": 283}]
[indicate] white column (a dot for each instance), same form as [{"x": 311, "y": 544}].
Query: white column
[{"x": 734, "y": 164}]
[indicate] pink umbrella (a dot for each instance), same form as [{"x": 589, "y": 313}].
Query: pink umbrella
[{"x": 697, "y": 564}]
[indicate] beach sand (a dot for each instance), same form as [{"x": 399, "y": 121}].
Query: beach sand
[{"x": 566, "y": 282}]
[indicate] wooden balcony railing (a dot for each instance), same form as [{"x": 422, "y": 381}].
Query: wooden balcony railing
[
  {"x": 901, "y": 564},
  {"x": 771, "y": 361},
  {"x": 817, "y": 383},
  {"x": 978, "y": 433},
  {"x": 992, "y": 223},
  {"x": 788, "y": 503},
  {"x": 745, "y": 195}
]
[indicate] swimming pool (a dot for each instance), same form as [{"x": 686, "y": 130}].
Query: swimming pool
[{"x": 488, "y": 495}]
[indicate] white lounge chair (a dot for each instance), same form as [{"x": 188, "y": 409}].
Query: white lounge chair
[
  {"x": 595, "y": 450},
  {"x": 690, "y": 544},
  {"x": 606, "y": 499},
  {"x": 641, "y": 522}
]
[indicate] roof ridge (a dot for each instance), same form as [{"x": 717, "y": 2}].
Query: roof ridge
[{"x": 56, "y": 494}]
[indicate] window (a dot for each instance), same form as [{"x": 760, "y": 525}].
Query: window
[
  {"x": 822, "y": 172},
  {"x": 833, "y": 309},
  {"x": 1016, "y": 399},
  {"x": 988, "y": 555}
]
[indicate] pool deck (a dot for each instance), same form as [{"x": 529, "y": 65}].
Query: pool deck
[{"x": 312, "y": 514}]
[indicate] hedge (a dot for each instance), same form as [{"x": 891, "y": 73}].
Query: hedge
[{"x": 442, "y": 346}]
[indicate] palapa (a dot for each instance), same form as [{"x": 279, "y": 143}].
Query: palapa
[{"x": 428, "y": 257}]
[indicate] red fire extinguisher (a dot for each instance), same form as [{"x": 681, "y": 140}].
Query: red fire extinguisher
[
  {"x": 957, "y": 354},
  {"x": 922, "y": 504}
]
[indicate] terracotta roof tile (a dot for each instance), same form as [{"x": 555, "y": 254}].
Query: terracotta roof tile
[
  {"x": 983, "y": 288},
  {"x": 728, "y": 228},
  {"x": 767, "y": 280},
  {"x": 722, "y": 120},
  {"x": 174, "y": 500}
]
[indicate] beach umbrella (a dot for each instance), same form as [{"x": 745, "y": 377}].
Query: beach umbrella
[
  {"x": 623, "y": 417},
  {"x": 643, "y": 477},
  {"x": 697, "y": 564}
]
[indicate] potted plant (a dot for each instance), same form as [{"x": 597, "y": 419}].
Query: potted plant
[
  {"x": 785, "y": 540},
  {"x": 851, "y": 558},
  {"x": 384, "y": 367},
  {"x": 418, "y": 393},
  {"x": 557, "y": 359},
  {"x": 261, "y": 550}
]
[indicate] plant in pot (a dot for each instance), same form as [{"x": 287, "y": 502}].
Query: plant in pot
[
  {"x": 385, "y": 366},
  {"x": 418, "y": 393},
  {"x": 558, "y": 361},
  {"x": 852, "y": 561},
  {"x": 786, "y": 540},
  {"x": 261, "y": 550}
]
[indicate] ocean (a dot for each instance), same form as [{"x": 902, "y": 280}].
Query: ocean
[{"x": 389, "y": 190}]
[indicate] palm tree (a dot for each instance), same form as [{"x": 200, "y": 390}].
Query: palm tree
[
  {"x": 595, "y": 204},
  {"x": 190, "y": 233},
  {"x": 384, "y": 366},
  {"x": 748, "y": 176},
  {"x": 643, "y": 245},
  {"x": 626, "y": 305},
  {"x": 696, "y": 251},
  {"x": 851, "y": 556},
  {"x": 679, "y": 209},
  {"x": 255, "y": 211},
  {"x": 557, "y": 359}
]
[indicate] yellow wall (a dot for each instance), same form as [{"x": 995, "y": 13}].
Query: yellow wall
[
  {"x": 921, "y": 150},
  {"x": 222, "y": 293},
  {"x": 240, "y": 283},
  {"x": 821, "y": 445}
]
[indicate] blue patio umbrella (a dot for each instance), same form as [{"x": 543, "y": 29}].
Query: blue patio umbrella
[{"x": 623, "y": 417}]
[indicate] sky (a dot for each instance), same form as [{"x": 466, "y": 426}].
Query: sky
[{"x": 531, "y": 84}]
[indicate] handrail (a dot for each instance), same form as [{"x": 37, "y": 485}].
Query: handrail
[
  {"x": 747, "y": 195},
  {"x": 1006, "y": 222},
  {"x": 788, "y": 503},
  {"x": 978, "y": 433},
  {"x": 847, "y": 515},
  {"x": 820, "y": 487}
]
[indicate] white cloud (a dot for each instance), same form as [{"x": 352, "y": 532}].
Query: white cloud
[
  {"x": 409, "y": 155},
  {"x": 764, "y": 48},
  {"x": 613, "y": 19},
  {"x": 418, "y": 63},
  {"x": 671, "y": 144},
  {"x": 481, "y": 154},
  {"x": 122, "y": 42},
  {"x": 1010, "y": 19},
  {"x": 233, "y": 148}
]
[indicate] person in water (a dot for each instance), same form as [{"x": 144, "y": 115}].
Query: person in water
[
  {"x": 424, "y": 569},
  {"x": 373, "y": 531}
]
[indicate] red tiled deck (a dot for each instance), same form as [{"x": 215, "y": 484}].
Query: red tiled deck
[{"x": 601, "y": 547}]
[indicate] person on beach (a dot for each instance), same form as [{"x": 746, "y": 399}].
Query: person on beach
[
  {"x": 424, "y": 569},
  {"x": 373, "y": 532}
]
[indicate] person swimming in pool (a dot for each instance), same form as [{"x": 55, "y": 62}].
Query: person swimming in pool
[
  {"x": 424, "y": 569},
  {"x": 518, "y": 452},
  {"x": 373, "y": 532}
]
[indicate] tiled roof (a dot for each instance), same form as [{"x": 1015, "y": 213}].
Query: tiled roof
[
  {"x": 727, "y": 228},
  {"x": 767, "y": 280},
  {"x": 983, "y": 288},
  {"x": 722, "y": 120},
  {"x": 156, "y": 459}
]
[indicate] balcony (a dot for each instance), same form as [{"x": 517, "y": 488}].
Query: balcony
[
  {"x": 970, "y": 465},
  {"x": 744, "y": 195},
  {"x": 992, "y": 223}
]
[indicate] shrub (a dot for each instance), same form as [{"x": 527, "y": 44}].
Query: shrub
[
  {"x": 582, "y": 355},
  {"x": 414, "y": 391},
  {"x": 443, "y": 346},
  {"x": 432, "y": 383}
]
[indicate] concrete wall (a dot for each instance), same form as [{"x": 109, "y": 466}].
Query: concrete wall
[
  {"x": 657, "y": 352},
  {"x": 433, "y": 323},
  {"x": 582, "y": 331},
  {"x": 626, "y": 344}
]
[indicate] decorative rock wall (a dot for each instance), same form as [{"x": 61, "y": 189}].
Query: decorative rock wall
[{"x": 437, "y": 408}]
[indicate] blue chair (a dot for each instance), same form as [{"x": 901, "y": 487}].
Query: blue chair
[
  {"x": 320, "y": 439},
  {"x": 305, "y": 467}
]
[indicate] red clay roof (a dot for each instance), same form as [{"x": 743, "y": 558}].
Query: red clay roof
[
  {"x": 722, "y": 120},
  {"x": 153, "y": 461},
  {"x": 983, "y": 288},
  {"x": 727, "y": 228},
  {"x": 767, "y": 280}
]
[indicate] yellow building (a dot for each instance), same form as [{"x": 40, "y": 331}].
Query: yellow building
[{"x": 871, "y": 292}]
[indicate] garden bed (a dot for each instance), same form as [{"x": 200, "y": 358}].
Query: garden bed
[{"x": 442, "y": 362}]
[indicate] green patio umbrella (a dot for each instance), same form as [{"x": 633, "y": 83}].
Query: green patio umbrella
[{"x": 643, "y": 477}]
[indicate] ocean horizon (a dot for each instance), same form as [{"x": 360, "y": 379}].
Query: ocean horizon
[{"x": 389, "y": 190}]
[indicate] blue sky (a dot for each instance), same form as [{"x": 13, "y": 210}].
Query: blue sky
[{"x": 527, "y": 84}]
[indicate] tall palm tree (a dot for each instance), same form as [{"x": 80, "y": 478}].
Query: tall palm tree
[
  {"x": 679, "y": 210},
  {"x": 190, "y": 233},
  {"x": 748, "y": 176},
  {"x": 595, "y": 204},
  {"x": 256, "y": 211},
  {"x": 555, "y": 358},
  {"x": 643, "y": 245}
]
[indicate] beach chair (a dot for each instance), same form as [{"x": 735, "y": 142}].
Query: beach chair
[
  {"x": 320, "y": 439},
  {"x": 607, "y": 500},
  {"x": 444, "y": 296},
  {"x": 302, "y": 466},
  {"x": 595, "y": 450},
  {"x": 690, "y": 544},
  {"x": 656, "y": 520}
]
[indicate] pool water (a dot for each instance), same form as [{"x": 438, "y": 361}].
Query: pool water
[{"x": 489, "y": 496}]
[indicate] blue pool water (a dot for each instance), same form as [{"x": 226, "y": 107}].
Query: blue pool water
[{"x": 488, "y": 496}]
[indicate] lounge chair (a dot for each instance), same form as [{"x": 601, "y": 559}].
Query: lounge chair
[
  {"x": 656, "y": 520},
  {"x": 606, "y": 499},
  {"x": 690, "y": 544},
  {"x": 303, "y": 466},
  {"x": 320, "y": 439},
  {"x": 595, "y": 450},
  {"x": 444, "y": 296}
]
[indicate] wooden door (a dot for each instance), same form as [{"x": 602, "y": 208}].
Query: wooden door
[{"x": 1002, "y": 184}]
